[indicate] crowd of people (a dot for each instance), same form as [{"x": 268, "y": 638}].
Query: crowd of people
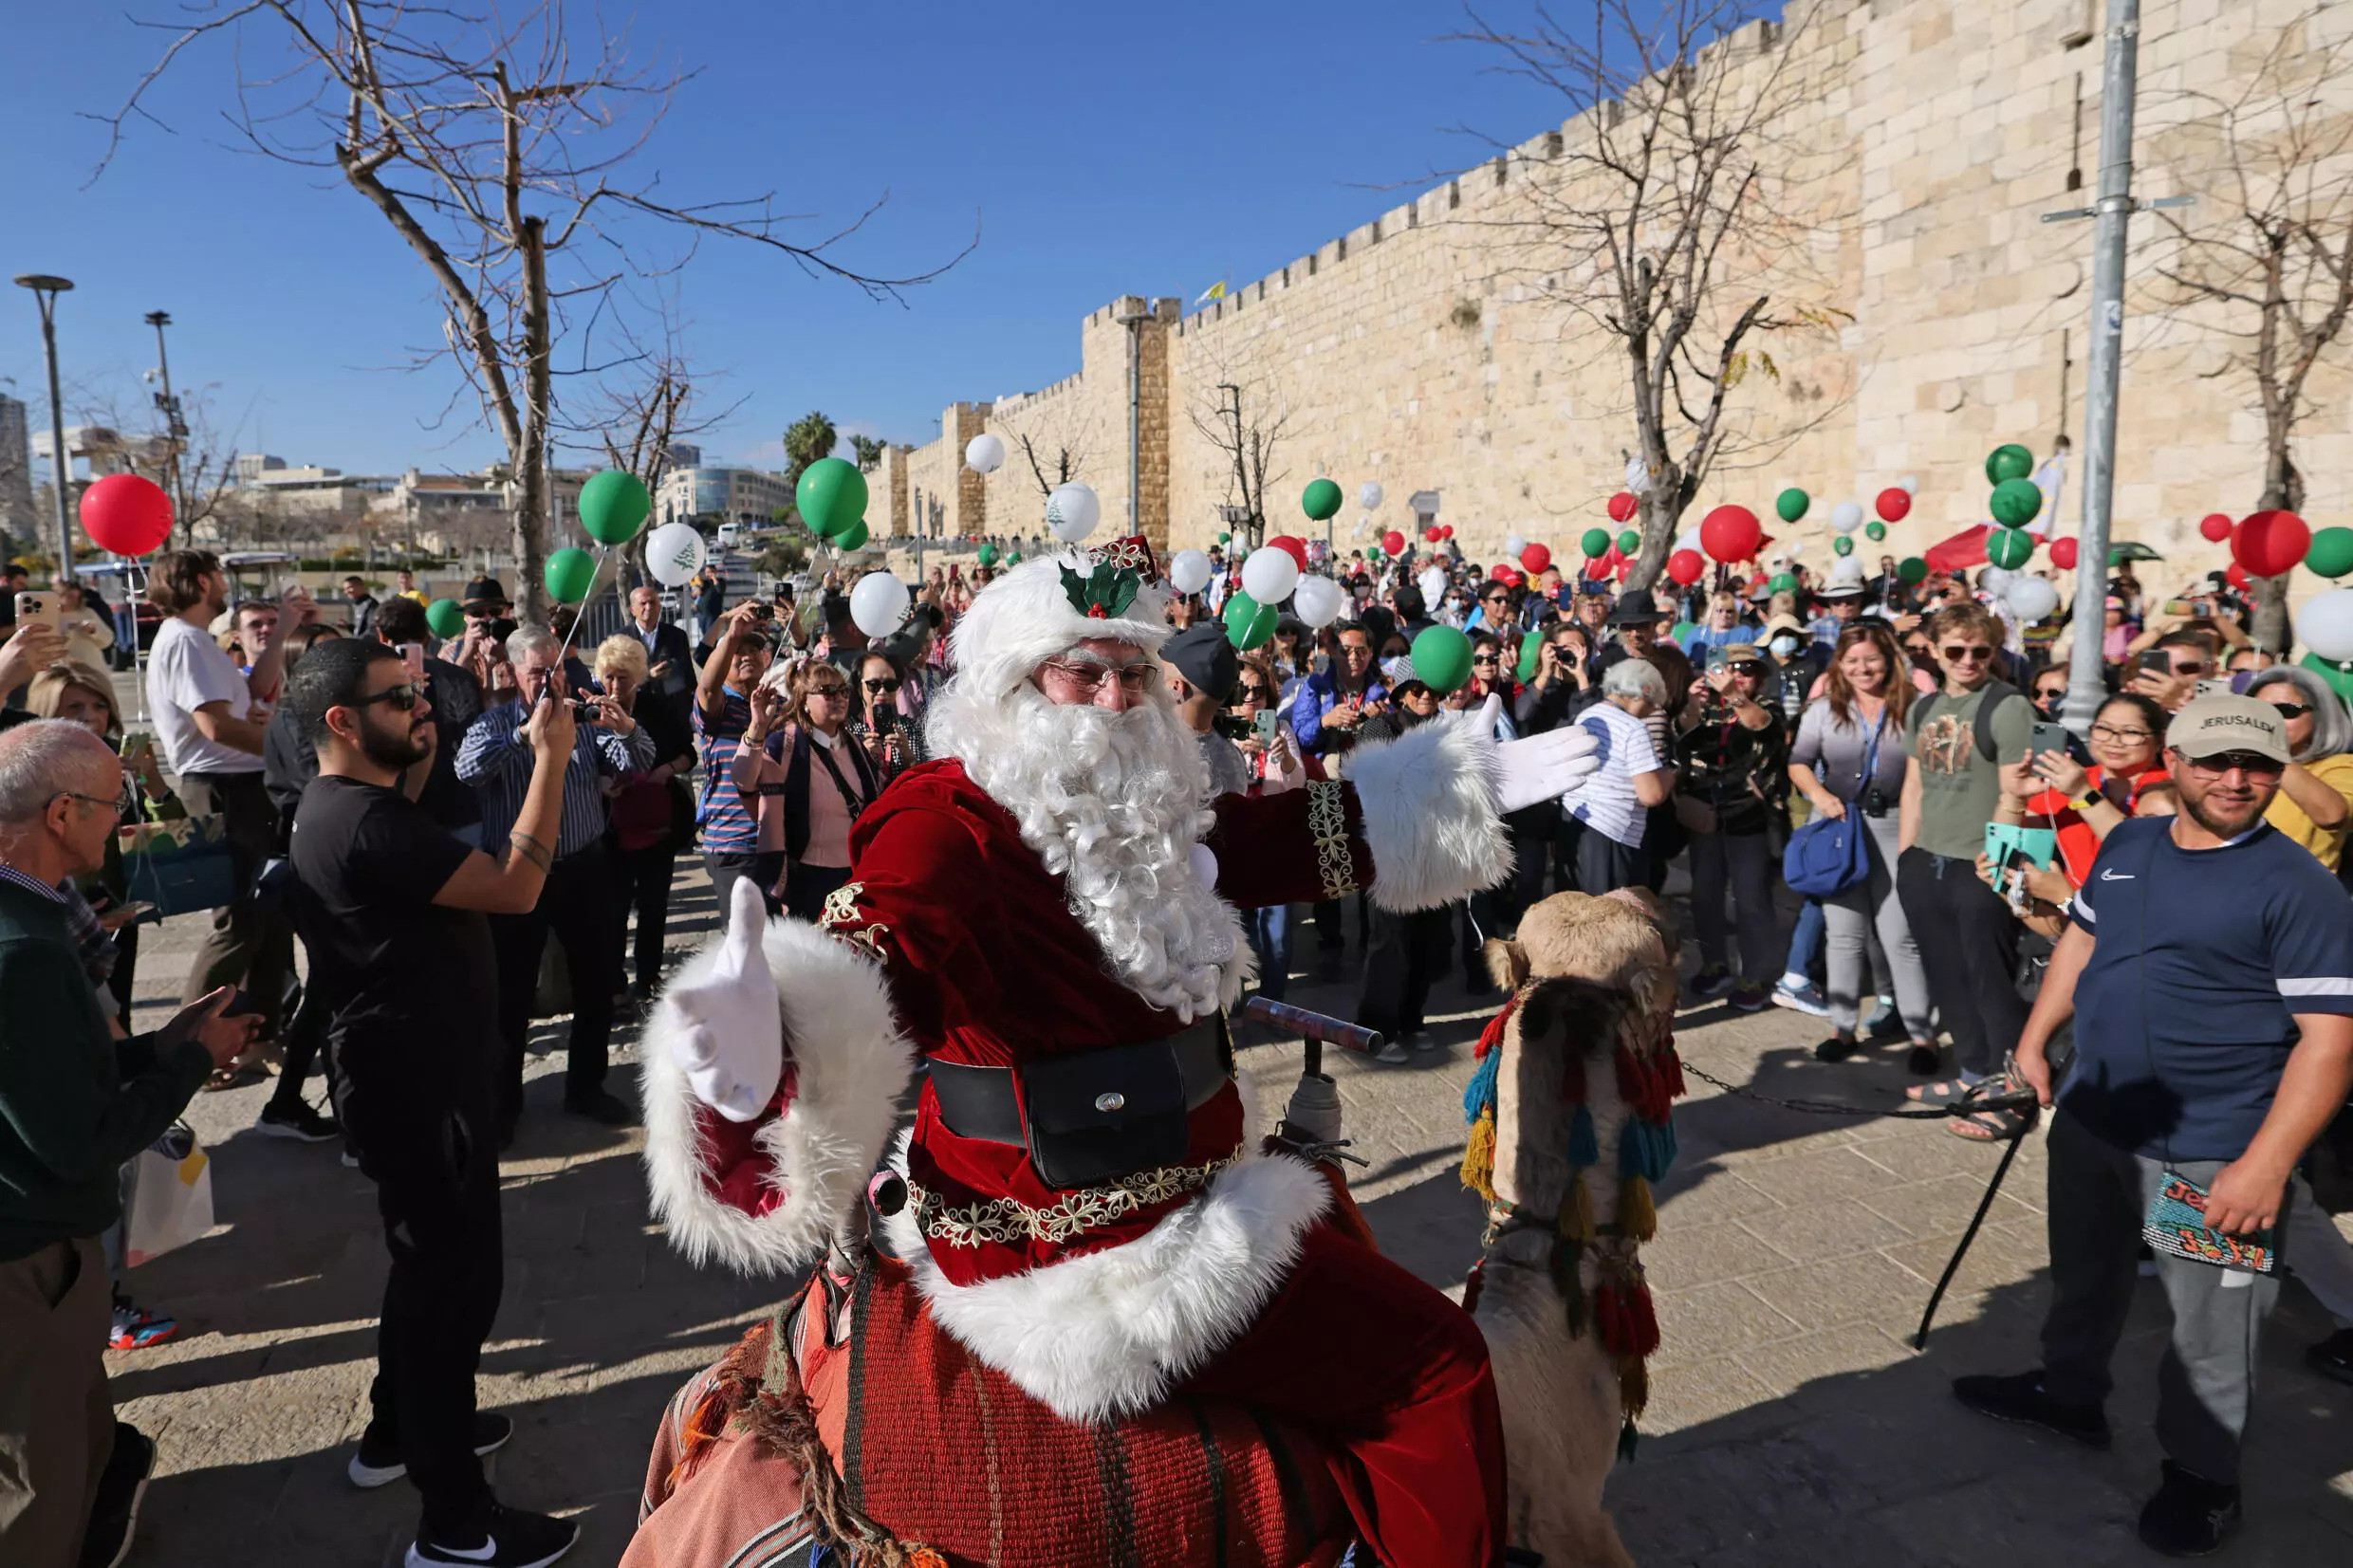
[{"x": 397, "y": 804}]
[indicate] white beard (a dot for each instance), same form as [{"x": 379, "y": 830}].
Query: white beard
[{"x": 1113, "y": 804}]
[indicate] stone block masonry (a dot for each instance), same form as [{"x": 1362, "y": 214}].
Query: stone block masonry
[{"x": 1430, "y": 348}]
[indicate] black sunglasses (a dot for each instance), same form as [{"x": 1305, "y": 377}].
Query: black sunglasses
[
  {"x": 404, "y": 697},
  {"x": 2292, "y": 709},
  {"x": 884, "y": 686}
]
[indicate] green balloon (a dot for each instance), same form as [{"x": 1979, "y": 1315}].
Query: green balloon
[
  {"x": 2009, "y": 461},
  {"x": 831, "y": 495},
  {"x": 569, "y": 576},
  {"x": 2339, "y": 676},
  {"x": 1792, "y": 504},
  {"x": 1443, "y": 658},
  {"x": 1595, "y": 543},
  {"x": 854, "y": 537},
  {"x": 1014, "y": 559},
  {"x": 446, "y": 617},
  {"x": 2015, "y": 503},
  {"x": 1842, "y": 545},
  {"x": 1912, "y": 569},
  {"x": 1249, "y": 622},
  {"x": 1630, "y": 542},
  {"x": 1225, "y": 538},
  {"x": 1875, "y": 531},
  {"x": 1531, "y": 649},
  {"x": 1322, "y": 498},
  {"x": 2331, "y": 554},
  {"x": 988, "y": 555},
  {"x": 1783, "y": 582},
  {"x": 2009, "y": 549},
  {"x": 614, "y": 506}
]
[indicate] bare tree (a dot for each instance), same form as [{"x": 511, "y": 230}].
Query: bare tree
[
  {"x": 1056, "y": 431},
  {"x": 1674, "y": 216},
  {"x": 1246, "y": 418},
  {"x": 2264, "y": 261},
  {"x": 495, "y": 149}
]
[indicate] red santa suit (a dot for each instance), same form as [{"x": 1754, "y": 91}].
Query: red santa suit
[{"x": 1217, "y": 1273}]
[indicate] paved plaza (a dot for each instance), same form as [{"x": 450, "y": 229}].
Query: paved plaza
[{"x": 1791, "y": 1421}]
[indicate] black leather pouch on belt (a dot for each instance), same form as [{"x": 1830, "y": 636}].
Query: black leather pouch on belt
[{"x": 1104, "y": 1113}]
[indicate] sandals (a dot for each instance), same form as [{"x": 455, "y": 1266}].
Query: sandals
[
  {"x": 1989, "y": 1126},
  {"x": 1951, "y": 1090}
]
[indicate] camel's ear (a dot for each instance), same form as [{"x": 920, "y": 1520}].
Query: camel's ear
[{"x": 1507, "y": 962}]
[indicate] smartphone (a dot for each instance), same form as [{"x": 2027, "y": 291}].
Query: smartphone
[
  {"x": 413, "y": 656},
  {"x": 2052, "y": 737},
  {"x": 1263, "y": 722},
  {"x": 2156, "y": 660},
  {"x": 2221, "y": 685},
  {"x": 2180, "y": 607},
  {"x": 31, "y": 606}
]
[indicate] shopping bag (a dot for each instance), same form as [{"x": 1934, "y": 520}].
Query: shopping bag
[
  {"x": 170, "y": 1201},
  {"x": 179, "y": 866}
]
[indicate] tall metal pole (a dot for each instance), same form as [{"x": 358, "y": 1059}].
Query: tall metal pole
[
  {"x": 2112, "y": 214},
  {"x": 175, "y": 428},
  {"x": 45, "y": 289}
]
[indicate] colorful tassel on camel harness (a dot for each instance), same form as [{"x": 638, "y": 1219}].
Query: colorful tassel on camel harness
[
  {"x": 1584, "y": 1145},
  {"x": 1638, "y": 1217},
  {"x": 1633, "y": 1386},
  {"x": 1478, "y": 1156},
  {"x": 1622, "y": 1309},
  {"x": 1576, "y": 1220}
]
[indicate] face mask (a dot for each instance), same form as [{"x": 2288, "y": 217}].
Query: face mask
[{"x": 1785, "y": 646}]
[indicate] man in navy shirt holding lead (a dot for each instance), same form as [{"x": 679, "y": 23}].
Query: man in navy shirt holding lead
[{"x": 2209, "y": 969}]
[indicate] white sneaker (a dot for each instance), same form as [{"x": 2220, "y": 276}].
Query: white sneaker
[{"x": 1393, "y": 1052}]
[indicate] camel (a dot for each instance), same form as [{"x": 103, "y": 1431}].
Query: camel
[{"x": 1568, "y": 1130}]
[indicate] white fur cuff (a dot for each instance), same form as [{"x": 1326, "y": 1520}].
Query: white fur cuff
[
  {"x": 1430, "y": 817},
  {"x": 850, "y": 1065},
  {"x": 1103, "y": 1336}
]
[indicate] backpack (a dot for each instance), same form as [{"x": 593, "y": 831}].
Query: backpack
[{"x": 1996, "y": 692}]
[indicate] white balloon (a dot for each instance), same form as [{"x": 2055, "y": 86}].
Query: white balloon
[
  {"x": 984, "y": 453},
  {"x": 1909, "y": 484},
  {"x": 674, "y": 553},
  {"x": 2032, "y": 597},
  {"x": 1189, "y": 571},
  {"x": 1637, "y": 475},
  {"x": 877, "y": 603},
  {"x": 2324, "y": 624},
  {"x": 1269, "y": 575},
  {"x": 1996, "y": 580},
  {"x": 1317, "y": 601},
  {"x": 1072, "y": 511},
  {"x": 1364, "y": 527},
  {"x": 1368, "y": 495},
  {"x": 1433, "y": 585},
  {"x": 1687, "y": 540},
  {"x": 1513, "y": 544},
  {"x": 1847, "y": 516}
]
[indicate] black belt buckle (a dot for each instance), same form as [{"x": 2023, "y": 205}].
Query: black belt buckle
[{"x": 1103, "y": 1114}]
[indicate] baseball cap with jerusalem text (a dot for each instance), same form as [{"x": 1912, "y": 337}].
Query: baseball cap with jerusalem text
[{"x": 2209, "y": 726}]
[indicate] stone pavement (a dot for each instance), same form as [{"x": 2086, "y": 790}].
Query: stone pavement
[{"x": 1791, "y": 1421}]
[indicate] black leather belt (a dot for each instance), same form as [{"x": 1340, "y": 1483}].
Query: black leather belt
[{"x": 1092, "y": 1116}]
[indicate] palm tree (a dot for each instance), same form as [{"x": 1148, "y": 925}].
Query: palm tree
[{"x": 811, "y": 438}]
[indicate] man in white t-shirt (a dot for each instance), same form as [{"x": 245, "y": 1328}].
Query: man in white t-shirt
[
  {"x": 211, "y": 721},
  {"x": 1604, "y": 814}
]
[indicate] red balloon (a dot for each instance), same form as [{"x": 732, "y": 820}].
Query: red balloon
[
  {"x": 126, "y": 514},
  {"x": 2236, "y": 577},
  {"x": 2269, "y": 543},
  {"x": 1446, "y": 530},
  {"x": 1393, "y": 542},
  {"x": 1295, "y": 548},
  {"x": 1686, "y": 567},
  {"x": 1622, "y": 506},
  {"x": 2063, "y": 554},
  {"x": 1536, "y": 557},
  {"x": 1431, "y": 534},
  {"x": 2216, "y": 526},
  {"x": 1508, "y": 578},
  {"x": 1500, "y": 570},
  {"x": 1894, "y": 503},
  {"x": 1732, "y": 533}
]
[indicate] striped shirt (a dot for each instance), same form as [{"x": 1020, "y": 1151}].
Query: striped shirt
[
  {"x": 495, "y": 758},
  {"x": 727, "y": 826}
]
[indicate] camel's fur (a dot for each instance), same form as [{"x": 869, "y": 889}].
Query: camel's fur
[{"x": 1591, "y": 961}]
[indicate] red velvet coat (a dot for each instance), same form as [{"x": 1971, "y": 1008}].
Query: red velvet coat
[{"x": 988, "y": 966}]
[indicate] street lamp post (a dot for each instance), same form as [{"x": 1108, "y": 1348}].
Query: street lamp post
[
  {"x": 46, "y": 288},
  {"x": 175, "y": 428}
]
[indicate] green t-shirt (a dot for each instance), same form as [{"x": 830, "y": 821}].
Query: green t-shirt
[{"x": 1959, "y": 789}]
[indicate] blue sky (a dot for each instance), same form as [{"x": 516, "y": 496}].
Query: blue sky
[{"x": 1103, "y": 150}]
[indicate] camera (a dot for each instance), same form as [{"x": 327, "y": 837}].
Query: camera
[
  {"x": 1233, "y": 727},
  {"x": 584, "y": 711}
]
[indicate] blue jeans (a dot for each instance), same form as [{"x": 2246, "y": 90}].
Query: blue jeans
[
  {"x": 1806, "y": 940},
  {"x": 1270, "y": 939}
]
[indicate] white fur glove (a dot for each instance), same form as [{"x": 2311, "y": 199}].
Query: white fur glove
[
  {"x": 730, "y": 1034},
  {"x": 1538, "y": 767}
]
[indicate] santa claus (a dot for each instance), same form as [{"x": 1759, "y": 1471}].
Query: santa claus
[{"x": 1047, "y": 914}]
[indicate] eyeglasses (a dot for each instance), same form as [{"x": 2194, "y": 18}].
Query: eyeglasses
[
  {"x": 2292, "y": 709},
  {"x": 2109, "y": 732},
  {"x": 1750, "y": 670},
  {"x": 1256, "y": 693},
  {"x": 1135, "y": 679},
  {"x": 1483, "y": 658},
  {"x": 2238, "y": 762},
  {"x": 402, "y": 697},
  {"x": 884, "y": 686},
  {"x": 112, "y": 802},
  {"x": 1352, "y": 651},
  {"x": 2196, "y": 667},
  {"x": 1965, "y": 654}
]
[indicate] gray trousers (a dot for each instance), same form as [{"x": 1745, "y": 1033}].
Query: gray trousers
[
  {"x": 1736, "y": 867},
  {"x": 2099, "y": 1194},
  {"x": 1849, "y": 920}
]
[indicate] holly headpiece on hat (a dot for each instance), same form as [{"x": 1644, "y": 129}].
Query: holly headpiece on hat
[{"x": 1105, "y": 594}]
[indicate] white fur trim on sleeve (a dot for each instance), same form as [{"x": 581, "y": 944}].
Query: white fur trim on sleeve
[
  {"x": 852, "y": 1063},
  {"x": 1429, "y": 816},
  {"x": 1104, "y": 1334}
]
